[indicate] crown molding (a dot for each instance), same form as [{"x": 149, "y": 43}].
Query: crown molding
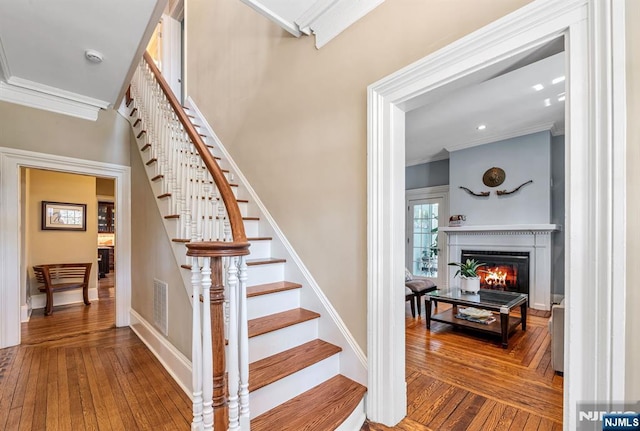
[
  {"x": 502, "y": 136},
  {"x": 49, "y": 102},
  {"x": 336, "y": 19},
  {"x": 324, "y": 18},
  {"x": 286, "y": 24},
  {"x": 306, "y": 20},
  {"x": 56, "y": 92}
]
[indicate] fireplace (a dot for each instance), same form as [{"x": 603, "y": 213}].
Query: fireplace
[{"x": 505, "y": 270}]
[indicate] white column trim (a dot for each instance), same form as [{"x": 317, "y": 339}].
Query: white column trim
[
  {"x": 595, "y": 198},
  {"x": 11, "y": 160}
]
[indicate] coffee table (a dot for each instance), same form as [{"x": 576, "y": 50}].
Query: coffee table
[{"x": 493, "y": 300}]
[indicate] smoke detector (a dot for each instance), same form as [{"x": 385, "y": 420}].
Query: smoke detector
[{"x": 93, "y": 56}]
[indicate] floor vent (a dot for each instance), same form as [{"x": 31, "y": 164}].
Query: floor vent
[{"x": 160, "y": 305}]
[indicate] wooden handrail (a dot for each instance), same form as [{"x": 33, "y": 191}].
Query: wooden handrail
[{"x": 230, "y": 202}]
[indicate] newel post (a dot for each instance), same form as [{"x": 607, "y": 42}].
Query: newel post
[
  {"x": 216, "y": 251},
  {"x": 220, "y": 404}
]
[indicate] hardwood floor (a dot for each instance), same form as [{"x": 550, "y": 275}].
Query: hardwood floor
[
  {"x": 461, "y": 380},
  {"x": 76, "y": 371}
]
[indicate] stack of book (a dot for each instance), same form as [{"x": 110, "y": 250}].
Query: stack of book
[{"x": 476, "y": 315}]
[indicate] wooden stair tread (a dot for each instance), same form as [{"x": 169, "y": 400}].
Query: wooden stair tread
[
  {"x": 283, "y": 364},
  {"x": 265, "y": 261},
  {"x": 260, "y": 238},
  {"x": 273, "y": 322},
  {"x": 322, "y": 408},
  {"x": 264, "y": 289}
]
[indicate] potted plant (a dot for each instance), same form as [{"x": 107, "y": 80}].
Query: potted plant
[{"x": 468, "y": 272}]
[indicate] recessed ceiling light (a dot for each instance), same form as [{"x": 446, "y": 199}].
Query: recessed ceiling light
[
  {"x": 558, "y": 80},
  {"x": 481, "y": 127},
  {"x": 538, "y": 87},
  {"x": 547, "y": 102},
  {"x": 93, "y": 56},
  {"x": 561, "y": 98}
]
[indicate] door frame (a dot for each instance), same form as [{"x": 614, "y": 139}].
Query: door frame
[
  {"x": 595, "y": 344},
  {"x": 435, "y": 192},
  {"x": 11, "y": 160}
]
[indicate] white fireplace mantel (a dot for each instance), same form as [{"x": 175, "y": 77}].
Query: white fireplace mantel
[
  {"x": 504, "y": 229},
  {"x": 533, "y": 238}
]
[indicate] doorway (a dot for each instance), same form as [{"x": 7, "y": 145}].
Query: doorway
[
  {"x": 427, "y": 211},
  {"x": 11, "y": 226},
  {"x": 590, "y": 148}
]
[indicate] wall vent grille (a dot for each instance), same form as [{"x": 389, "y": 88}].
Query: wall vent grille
[{"x": 161, "y": 305}]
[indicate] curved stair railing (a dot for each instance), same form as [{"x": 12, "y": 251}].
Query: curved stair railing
[{"x": 200, "y": 197}]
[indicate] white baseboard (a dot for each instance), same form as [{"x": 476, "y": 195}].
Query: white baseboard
[
  {"x": 63, "y": 298},
  {"x": 25, "y": 313},
  {"x": 557, "y": 299},
  {"x": 176, "y": 364}
]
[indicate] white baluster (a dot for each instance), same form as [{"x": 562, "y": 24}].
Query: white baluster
[
  {"x": 232, "y": 363},
  {"x": 196, "y": 347},
  {"x": 244, "y": 346},
  {"x": 207, "y": 348}
]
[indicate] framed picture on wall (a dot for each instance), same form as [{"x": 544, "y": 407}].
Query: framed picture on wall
[{"x": 64, "y": 216}]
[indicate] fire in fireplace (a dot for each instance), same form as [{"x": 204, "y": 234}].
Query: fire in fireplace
[{"x": 505, "y": 270}]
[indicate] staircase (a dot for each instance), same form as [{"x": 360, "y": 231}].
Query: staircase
[{"x": 295, "y": 378}]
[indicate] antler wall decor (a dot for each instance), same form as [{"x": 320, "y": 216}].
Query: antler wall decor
[
  {"x": 480, "y": 194},
  {"x": 504, "y": 192}
]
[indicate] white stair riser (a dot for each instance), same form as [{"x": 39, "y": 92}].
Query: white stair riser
[
  {"x": 251, "y": 228},
  {"x": 274, "y": 342},
  {"x": 263, "y": 305},
  {"x": 291, "y": 386},
  {"x": 260, "y": 249},
  {"x": 262, "y": 274},
  {"x": 244, "y": 208}
]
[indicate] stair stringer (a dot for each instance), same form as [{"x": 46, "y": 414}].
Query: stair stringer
[{"x": 331, "y": 328}]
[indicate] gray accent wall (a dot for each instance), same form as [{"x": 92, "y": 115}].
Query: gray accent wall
[
  {"x": 427, "y": 175},
  {"x": 557, "y": 213}
]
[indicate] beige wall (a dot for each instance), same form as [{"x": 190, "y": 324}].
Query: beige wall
[
  {"x": 104, "y": 140},
  {"x": 54, "y": 246},
  {"x": 152, "y": 257},
  {"x": 294, "y": 118},
  {"x": 633, "y": 203},
  {"x": 105, "y": 187}
]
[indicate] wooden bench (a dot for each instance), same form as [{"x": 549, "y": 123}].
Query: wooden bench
[{"x": 62, "y": 276}]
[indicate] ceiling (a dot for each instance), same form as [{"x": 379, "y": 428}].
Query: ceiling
[
  {"x": 43, "y": 44},
  {"x": 501, "y": 97}
]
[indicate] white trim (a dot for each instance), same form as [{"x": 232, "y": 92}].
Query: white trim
[
  {"x": 339, "y": 17},
  {"x": 290, "y": 26},
  {"x": 356, "y": 418},
  {"x": 63, "y": 298},
  {"x": 504, "y": 228},
  {"x": 35, "y": 99},
  {"x": 176, "y": 364},
  {"x": 25, "y": 313},
  {"x": 4, "y": 63},
  {"x": 306, "y": 19},
  {"x": 619, "y": 193},
  {"x": 595, "y": 197},
  {"x": 11, "y": 160},
  {"x": 353, "y": 362},
  {"x": 502, "y": 136},
  {"x": 56, "y": 92}
]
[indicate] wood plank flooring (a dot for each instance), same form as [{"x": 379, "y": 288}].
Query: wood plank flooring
[
  {"x": 76, "y": 371},
  {"x": 462, "y": 380}
]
